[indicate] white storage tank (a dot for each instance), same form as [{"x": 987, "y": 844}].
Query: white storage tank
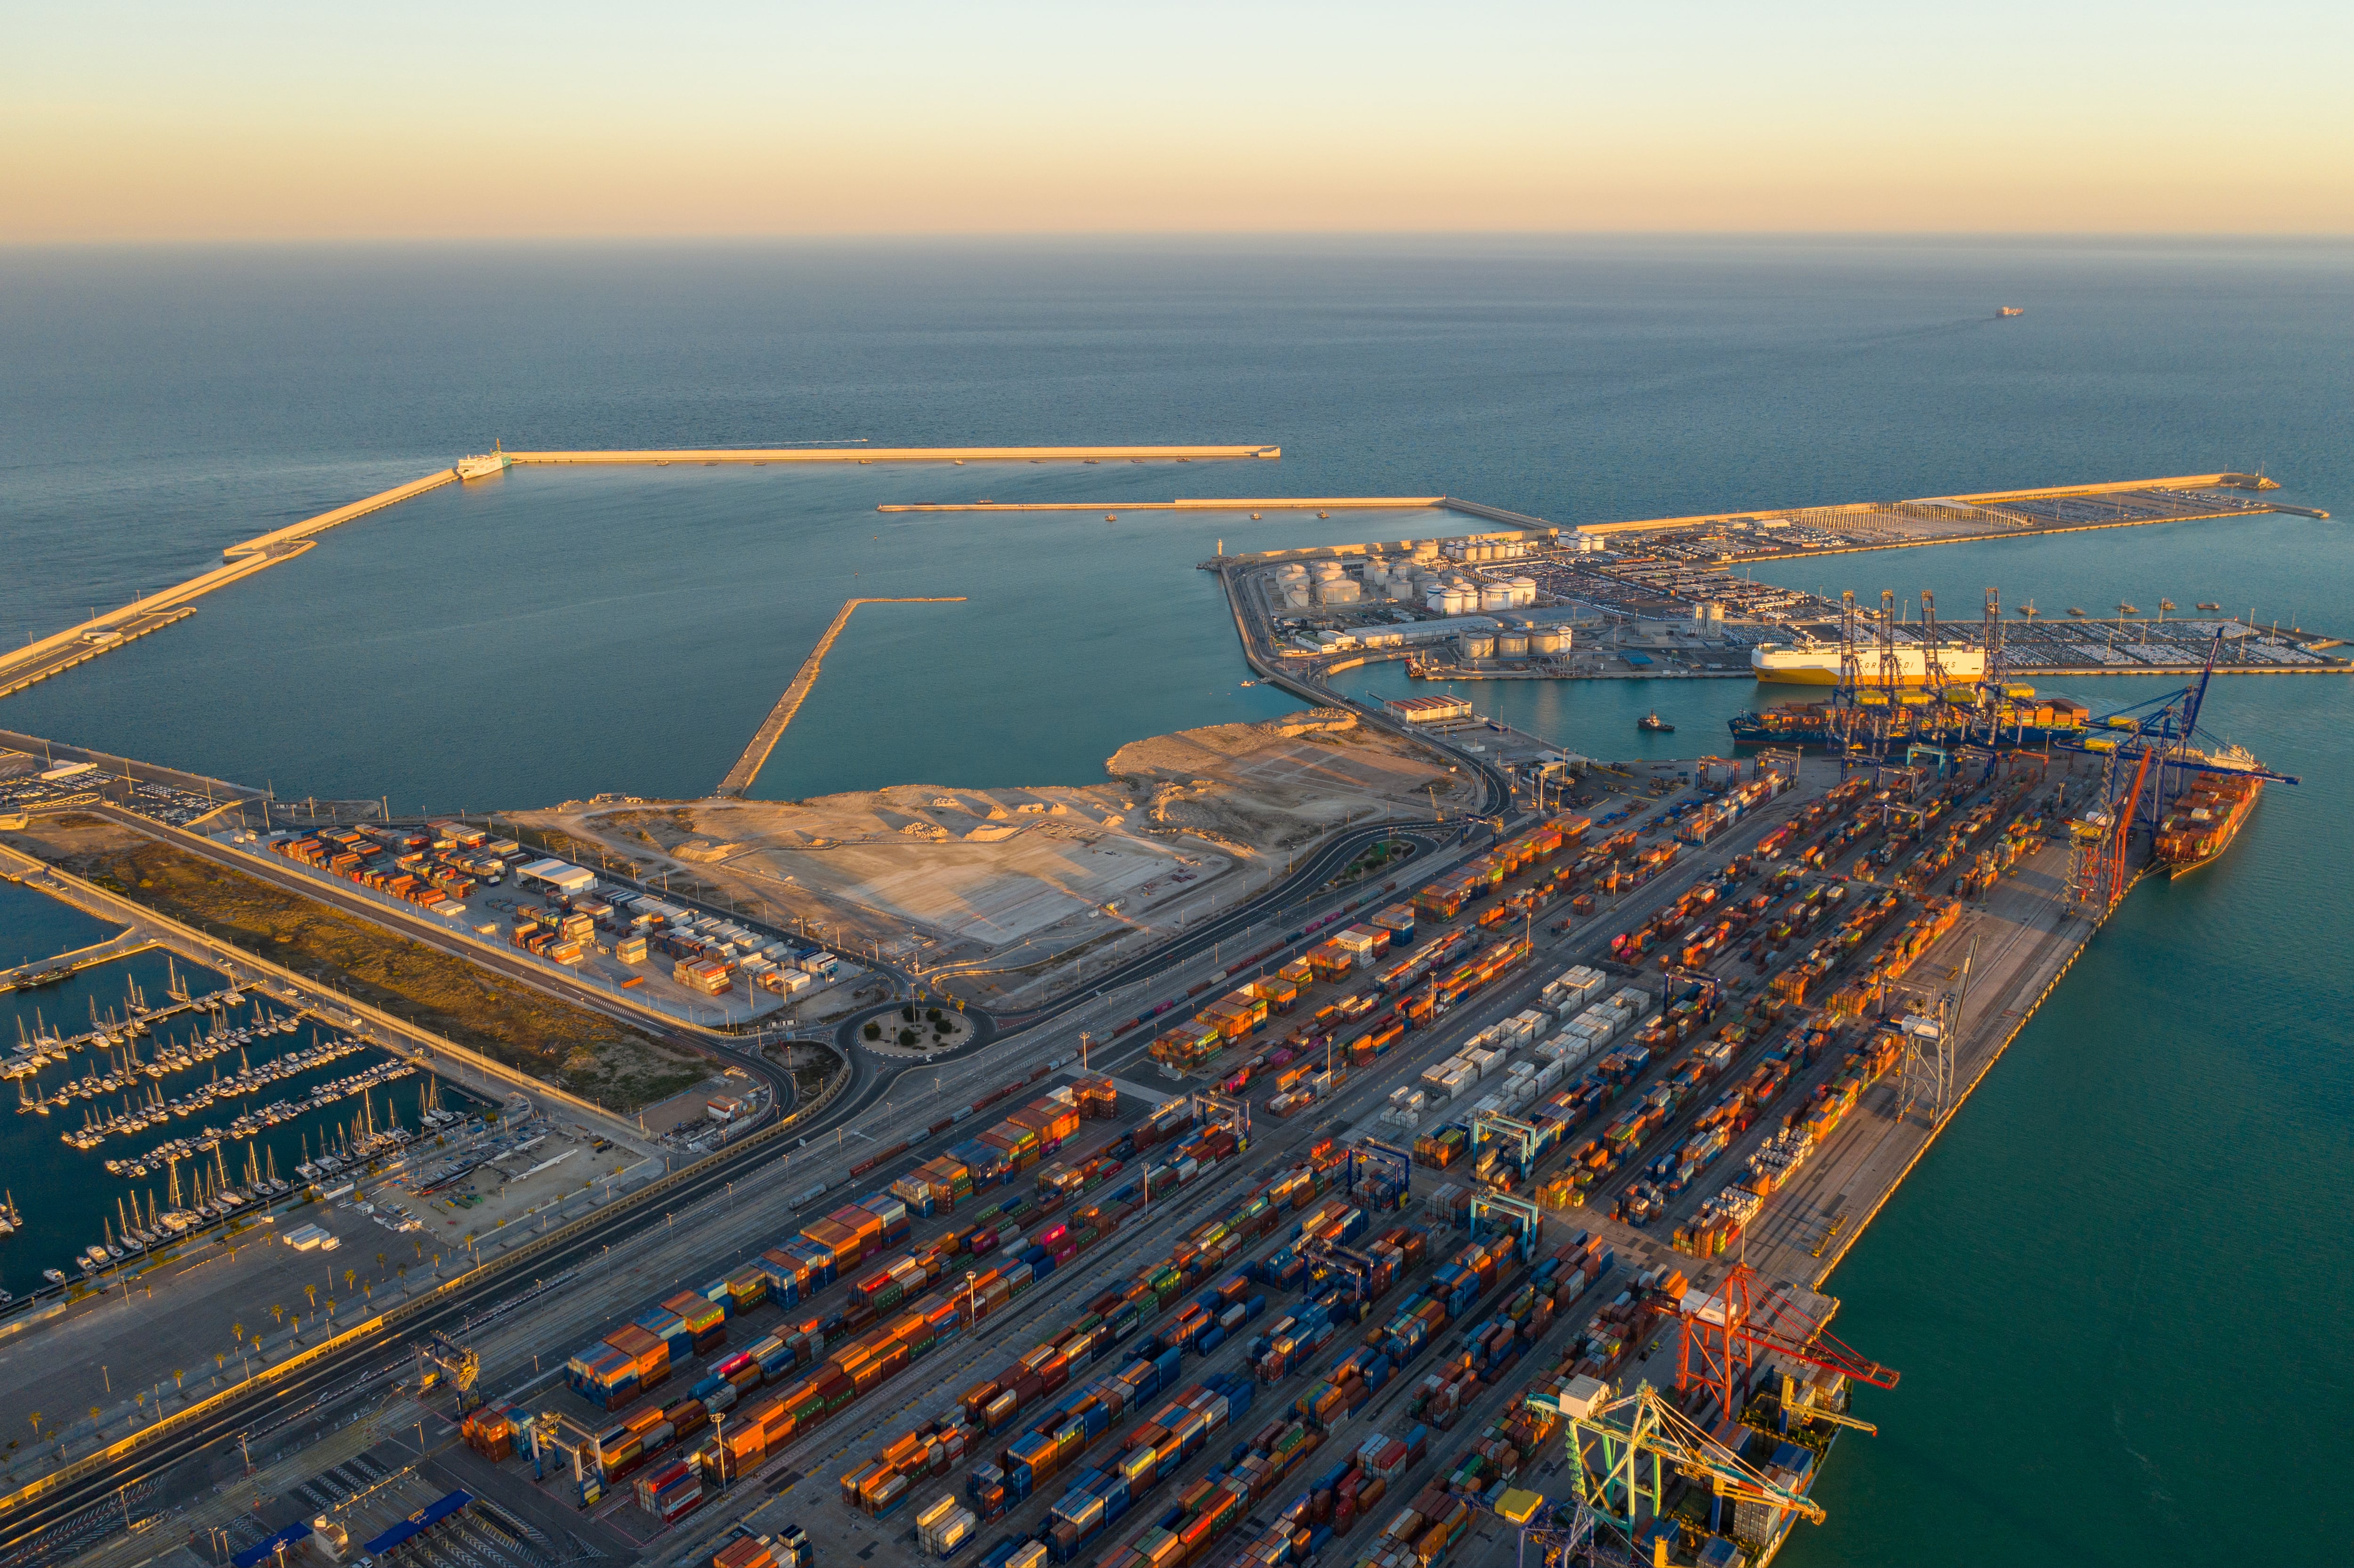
[
  {"x": 1495, "y": 597},
  {"x": 1512, "y": 645},
  {"x": 1548, "y": 642},
  {"x": 1338, "y": 590},
  {"x": 1477, "y": 645},
  {"x": 1525, "y": 592},
  {"x": 1296, "y": 596}
]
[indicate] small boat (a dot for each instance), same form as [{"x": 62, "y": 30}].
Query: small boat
[
  {"x": 2002, "y": 311},
  {"x": 2125, "y": 609},
  {"x": 2077, "y": 611},
  {"x": 54, "y": 1276},
  {"x": 1652, "y": 721},
  {"x": 2210, "y": 607}
]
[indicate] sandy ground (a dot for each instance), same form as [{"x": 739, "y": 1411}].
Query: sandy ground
[{"x": 967, "y": 885}]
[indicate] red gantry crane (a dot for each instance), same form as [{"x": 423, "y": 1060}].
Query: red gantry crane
[{"x": 1722, "y": 1334}]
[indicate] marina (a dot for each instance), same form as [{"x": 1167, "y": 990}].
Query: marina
[{"x": 281, "y": 1116}]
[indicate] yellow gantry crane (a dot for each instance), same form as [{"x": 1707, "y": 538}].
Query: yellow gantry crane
[{"x": 1623, "y": 1450}]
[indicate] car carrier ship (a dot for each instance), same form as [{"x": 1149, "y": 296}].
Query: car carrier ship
[{"x": 1818, "y": 663}]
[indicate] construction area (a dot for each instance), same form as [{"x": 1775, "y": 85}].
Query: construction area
[{"x": 991, "y": 892}]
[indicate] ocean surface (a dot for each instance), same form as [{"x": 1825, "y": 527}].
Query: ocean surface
[{"x": 2116, "y": 1289}]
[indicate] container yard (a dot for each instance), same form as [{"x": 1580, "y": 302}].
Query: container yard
[
  {"x": 1355, "y": 1340},
  {"x": 666, "y": 954},
  {"x": 1450, "y": 1188}
]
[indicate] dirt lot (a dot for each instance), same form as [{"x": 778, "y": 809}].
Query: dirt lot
[
  {"x": 958, "y": 881},
  {"x": 587, "y": 1053}
]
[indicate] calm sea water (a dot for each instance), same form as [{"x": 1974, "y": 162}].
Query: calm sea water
[{"x": 2116, "y": 1289}]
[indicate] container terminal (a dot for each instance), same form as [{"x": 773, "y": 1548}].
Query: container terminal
[{"x": 1489, "y": 1203}]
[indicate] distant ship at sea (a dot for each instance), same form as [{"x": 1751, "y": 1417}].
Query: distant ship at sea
[{"x": 2011, "y": 311}]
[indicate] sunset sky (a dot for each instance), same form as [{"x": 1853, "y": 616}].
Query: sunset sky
[{"x": 242, "y": 121}]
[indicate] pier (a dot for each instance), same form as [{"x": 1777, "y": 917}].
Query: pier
[{"x": 772, "y": 728}]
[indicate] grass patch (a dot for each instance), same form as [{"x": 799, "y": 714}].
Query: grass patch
[{"x": 587, "y": 1053}]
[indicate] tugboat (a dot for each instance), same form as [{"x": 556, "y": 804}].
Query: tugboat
[{"x": 1652, "y": 721}]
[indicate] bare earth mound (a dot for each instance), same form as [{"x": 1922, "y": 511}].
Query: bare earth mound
[{"x": 989, "y": 891}]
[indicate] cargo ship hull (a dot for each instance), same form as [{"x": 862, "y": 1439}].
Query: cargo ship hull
[{"x": 2020, "y": 723}]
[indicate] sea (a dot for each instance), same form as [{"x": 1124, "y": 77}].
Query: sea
[{"x": 2116, "y": 1289}]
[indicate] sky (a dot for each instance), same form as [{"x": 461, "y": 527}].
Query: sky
[{"x": 236, "y": 120}]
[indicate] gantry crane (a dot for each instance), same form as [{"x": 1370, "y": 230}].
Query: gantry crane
[
  {"x": 1623, "y": 1450},
  {"x": 1721, "y": 1335},
  {"x": 1524, "y": 1219},
  {"x": 2151, "y": 735},
  {"x": 1933, "y": 669},
  {"x": 439, "y": 1358}
]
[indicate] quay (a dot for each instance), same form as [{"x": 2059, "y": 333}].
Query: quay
[{"x": 524, "y": 1329}]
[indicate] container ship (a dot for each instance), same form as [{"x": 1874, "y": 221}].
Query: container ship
[
  {"x": 1817, "y": 664},
  {"x": 2023, "y": 719},
  {"x": 2203, "y": 820}
]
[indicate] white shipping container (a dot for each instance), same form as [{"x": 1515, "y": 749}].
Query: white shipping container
[{"x": 1548, "y": 1076}]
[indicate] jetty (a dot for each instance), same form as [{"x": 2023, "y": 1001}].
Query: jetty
[{"x": 772, "y": 728}]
